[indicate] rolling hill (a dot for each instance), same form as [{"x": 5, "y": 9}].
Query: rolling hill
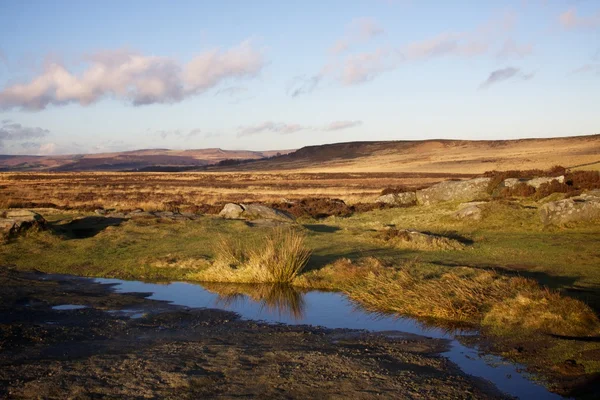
[
  {"x": 437, "y": 156},
  {"x": 149, "y": 159}
]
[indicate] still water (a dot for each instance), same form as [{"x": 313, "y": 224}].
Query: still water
[{"x": 276, "y": 304}]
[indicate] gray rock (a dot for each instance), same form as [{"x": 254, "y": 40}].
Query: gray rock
[
  {"x": 472, "y": 189},
  {"x": 231, "y": 211},
  {"x": 259, "y": 211},
  {"x": 581, "y": 208},
  {"x": 16, "y": 222},
  {"x": 470, "y": 211},
  {"x": 398, "y": 199},
  {"x": 535, "y": 182}
]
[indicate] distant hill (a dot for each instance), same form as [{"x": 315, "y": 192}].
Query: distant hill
[
  {"x": 148, "y": 159},
  {"x": 437, "y": 156}
]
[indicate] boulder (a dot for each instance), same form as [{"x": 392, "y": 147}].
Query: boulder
[
  {"x": 398, "y": 199},
  {"x": 468, "y": 190},
  {"x": 585, "y": 207},
  {"x": 535, "y": 182},
  {"x": 259, "y": 211},
  {"x": 231, "y": 211},
  {"x": 16, "y": 222},
  {"x": 470, "y": 211}
]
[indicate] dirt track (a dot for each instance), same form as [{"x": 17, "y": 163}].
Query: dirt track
[{"x": 173, "y": 352}]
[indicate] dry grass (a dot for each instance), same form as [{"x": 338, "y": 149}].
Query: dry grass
[
  {"x": 159, "y": 191},
  {"x": 499, "y": 303},
  {"x": 278, "y": 258}
]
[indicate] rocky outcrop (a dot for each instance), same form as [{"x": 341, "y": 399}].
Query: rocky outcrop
[
  {"x": 585, "y": 207},
  {"x": 16, "y": 222},
  {"x": 470, "y": 211},
  {"x": 258, "y": 213},
  {"x": 231, "y": 211},
  {"x": 472, "y": 189},
  {"x": 406, "y": 199},
  {"x": 535, "y": 182}
]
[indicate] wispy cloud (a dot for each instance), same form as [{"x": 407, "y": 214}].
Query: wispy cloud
[
  {"x": 360, "y": 30},
  {"x": 511, "y": 49},
  {"x": 504, "y": 74},
  {"x": 303, "y": 84},
  {"x": 133, "y": 77},
  {"x": 177, "y": 133},
  {"x": 339, "y": 125},
  {"x": 269, "y": 126},
  {"x": 588, "y": 69},
  {"x": 231, "y": 91},
  {"x": 357, "y": 68},
  {"x": 13, "y": 131},
  {"x": 366, "y": 66},
  {"x": 570, "y": 20}
]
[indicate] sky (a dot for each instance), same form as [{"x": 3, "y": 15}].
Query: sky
[{"x": 91, "y": 76}]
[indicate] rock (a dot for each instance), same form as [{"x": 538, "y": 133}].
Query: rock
[
  {"x": 468, "y": 190},
  {"x": 535, "y": 182},
  {"x": 100, "y": 211},
  {"x": 16, "y": 222},
  {"x": 259, "y": 211},
  {"x": 398, "y": 199},
  {"x": 472, "y": 211},
  {"x": 231, "y": 211},
  {"x": 585, "y": 207}
]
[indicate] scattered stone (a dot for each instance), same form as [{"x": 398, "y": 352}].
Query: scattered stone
[
  {"x": 100, "y": 211},
  {"x": 472, "y": 189},
  {"x": 585, "y": 207},
  {"x": 405, "y": 199},
  {"x": 472, "y": 210},
  {"x": 16, "y": 222},
  {"x": 231, "y": 211}
]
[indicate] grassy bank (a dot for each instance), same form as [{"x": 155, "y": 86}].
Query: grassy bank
[{"x": 514, "y": 279}]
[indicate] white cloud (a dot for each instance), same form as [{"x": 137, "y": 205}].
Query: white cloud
[
  {"x": 177, "y": 133},
  {"x": 570, "y": 20},
  {"x": 133, "y": 77},
  {"x": 363, "y": 67},
  {"x": 269, "y": 126},
  {"x": 360, "y": 30},
  {"x": 339, "y": 125},
  {"x": 13, "y": 131}
]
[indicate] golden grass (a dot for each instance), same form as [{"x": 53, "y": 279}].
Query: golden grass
[
  {"x": 498, "y": 303},
  {"x": 278, "y": 258}
]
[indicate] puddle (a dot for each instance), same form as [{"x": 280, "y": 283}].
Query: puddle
[
  {"x": 276, "y": 304},
  {"x": 133, "y": 314},
  {"x": 64, "y": 307}
]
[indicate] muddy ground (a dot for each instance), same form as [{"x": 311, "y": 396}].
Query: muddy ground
[{"x": 165, "y": 351}]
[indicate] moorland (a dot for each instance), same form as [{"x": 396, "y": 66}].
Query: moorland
[{"x": 454, "y": 244}]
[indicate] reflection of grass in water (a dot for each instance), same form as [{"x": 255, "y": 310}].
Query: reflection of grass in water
[{"x": 275, "y": 298}]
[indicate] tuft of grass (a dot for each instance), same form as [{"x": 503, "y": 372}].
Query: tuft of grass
[{"x": 278, "y": 258}]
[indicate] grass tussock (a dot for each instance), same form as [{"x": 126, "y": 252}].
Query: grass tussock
[
  {"x": 499, "y": 303},
  {"x": 278, "y": 258}
]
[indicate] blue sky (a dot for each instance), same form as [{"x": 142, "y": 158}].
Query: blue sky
[{"x": 79, "y": 77}]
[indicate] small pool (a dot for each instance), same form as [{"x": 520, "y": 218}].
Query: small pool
[{"x": 276, "y": 304}]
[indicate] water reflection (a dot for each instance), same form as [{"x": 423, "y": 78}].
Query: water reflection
[{"x": 283, "y": 300}]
